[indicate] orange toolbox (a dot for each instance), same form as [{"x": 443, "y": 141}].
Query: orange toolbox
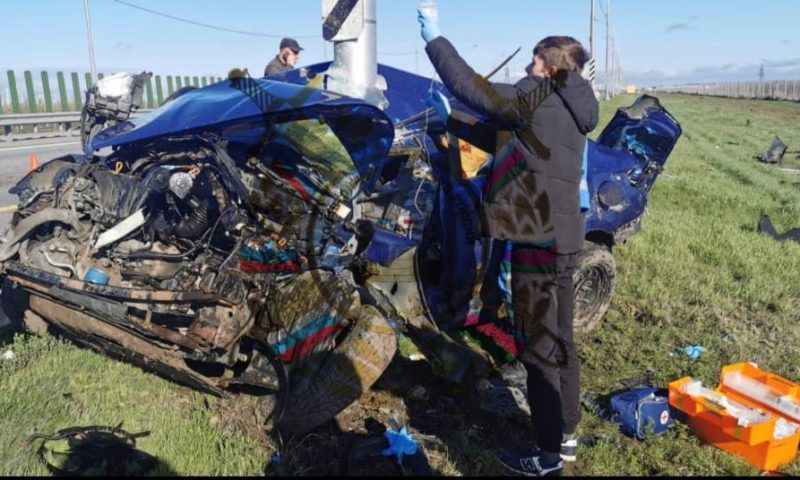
[{"x": 752, "y": 414}]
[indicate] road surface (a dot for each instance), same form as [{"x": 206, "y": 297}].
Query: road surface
[{"x": 14, "y": 161}]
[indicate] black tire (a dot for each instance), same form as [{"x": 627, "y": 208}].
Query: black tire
[
  {"x": 13, "y": 303},
  {"x": 331, "y": 381},
  {"x": 594, "y": 279}
]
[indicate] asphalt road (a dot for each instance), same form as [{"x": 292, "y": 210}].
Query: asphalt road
[{"x": 14, "y": 162}]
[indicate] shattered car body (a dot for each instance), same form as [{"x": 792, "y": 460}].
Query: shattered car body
[{"x": 273, "y": 236}]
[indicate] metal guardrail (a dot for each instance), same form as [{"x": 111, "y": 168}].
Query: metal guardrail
[{"x": 64, "y": 121}]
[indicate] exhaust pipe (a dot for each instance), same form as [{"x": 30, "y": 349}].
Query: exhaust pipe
[{"x": 352, "y": 27}]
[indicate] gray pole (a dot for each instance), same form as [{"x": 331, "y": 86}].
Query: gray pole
[
  {"x": 591, "y": 30},
  {"x": 608, "y": 43},
  {"x": 90, "y": 40}
]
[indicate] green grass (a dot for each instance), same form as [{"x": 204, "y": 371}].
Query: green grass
[
  {"x": 52, "y": 385},
  {"x": 698, "y": 273}
]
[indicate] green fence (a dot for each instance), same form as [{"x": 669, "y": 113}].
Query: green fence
[{"x": 65, "y": 92}]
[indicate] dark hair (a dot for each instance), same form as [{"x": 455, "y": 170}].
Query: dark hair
[{"x": 564, "y": 53}]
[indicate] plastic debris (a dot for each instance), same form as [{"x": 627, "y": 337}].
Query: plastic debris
[
  {"x": 9, "y": 355},
  {"x": 400, "y": 443},
  {"x": 275, "y": 460},
  {"x": 694, "y": 352}
]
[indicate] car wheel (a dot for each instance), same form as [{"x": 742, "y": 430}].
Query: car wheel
[
  {"x": 331, "y": 381},
  {"x": 594, "y": 279}
]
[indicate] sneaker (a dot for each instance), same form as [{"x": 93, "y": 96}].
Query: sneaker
[
  {"x": 569, "y": 448},
  {"x": 530, "y": 462}
]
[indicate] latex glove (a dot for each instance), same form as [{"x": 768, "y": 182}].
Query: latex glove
[
  {"x": 430, "y": 28},
  {"x": 694, "y": 351},
  {"x": 441, "y": 104},
  {"x": 400, "y": 443}
]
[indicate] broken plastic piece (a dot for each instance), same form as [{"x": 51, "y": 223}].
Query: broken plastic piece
[{"x": 122, "y": 229}]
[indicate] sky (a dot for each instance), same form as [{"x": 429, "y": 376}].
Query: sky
[{"x": 659, "y": 41}]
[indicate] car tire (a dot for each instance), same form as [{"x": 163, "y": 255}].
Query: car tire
[
  {"x": 13, "y": 303},
  {"x": 594, "y": 280},
  {"x": 330, "y": 381}
]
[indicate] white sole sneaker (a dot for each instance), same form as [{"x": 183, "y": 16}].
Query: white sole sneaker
[{"x": 569, "y": 450}]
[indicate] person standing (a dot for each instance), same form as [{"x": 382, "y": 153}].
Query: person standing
[
  {"x": 533, "y": 215},
  {"x": 286, "y": 59}
]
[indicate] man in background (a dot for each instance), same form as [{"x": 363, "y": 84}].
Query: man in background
[{"x": 286, "y": 58}]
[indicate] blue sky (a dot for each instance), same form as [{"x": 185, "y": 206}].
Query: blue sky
[{"x": 660, "y": 41}]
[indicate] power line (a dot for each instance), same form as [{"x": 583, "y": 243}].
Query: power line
[{"x": 206, "y": 25}]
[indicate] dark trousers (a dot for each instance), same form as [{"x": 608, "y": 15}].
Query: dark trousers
[{"x": 547, "y": 302}]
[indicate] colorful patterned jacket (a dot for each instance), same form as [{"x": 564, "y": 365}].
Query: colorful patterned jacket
[{"x": 539, "y": 137}]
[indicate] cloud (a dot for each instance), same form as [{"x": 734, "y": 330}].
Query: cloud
[
  {"x": 787, "y": 41},
  {"x": 694, "y": 17},
  {"x": 790, "y": 63},
  {"x": 728, "y": 72},
  {"x": 676, "y": 27}
]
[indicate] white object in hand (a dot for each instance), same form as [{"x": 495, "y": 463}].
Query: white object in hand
[{"x": 430, "y": 9}]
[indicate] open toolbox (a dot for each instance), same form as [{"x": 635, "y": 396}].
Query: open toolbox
[{"x": 752, "y": 414}]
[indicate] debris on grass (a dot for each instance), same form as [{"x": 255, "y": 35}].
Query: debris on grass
[{"x": 693, "y": 352}]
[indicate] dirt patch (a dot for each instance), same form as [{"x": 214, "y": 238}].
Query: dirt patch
[
  {"x": 456, "y": 436},
  {"x": 246, "y": 415}
]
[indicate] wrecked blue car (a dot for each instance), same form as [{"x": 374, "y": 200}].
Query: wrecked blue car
[{"x": 272, "y": 235}]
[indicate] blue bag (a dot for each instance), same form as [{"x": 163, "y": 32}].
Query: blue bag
[{"x": 637, "y": 411}]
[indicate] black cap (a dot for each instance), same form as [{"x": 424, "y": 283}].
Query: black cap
[{"x": 291, "y": 43}]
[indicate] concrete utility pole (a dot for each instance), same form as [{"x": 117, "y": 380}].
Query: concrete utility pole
[
  {"x": 90, "y": 40},
  {"x": 591, "y": 30},
  {"x": 608, "y": 47}
]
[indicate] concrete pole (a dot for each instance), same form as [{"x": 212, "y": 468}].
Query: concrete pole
[
  {"x": 608, "y": 47},
  {"x": 90, "y": 40},
  {"x": 591, "y": 30}
]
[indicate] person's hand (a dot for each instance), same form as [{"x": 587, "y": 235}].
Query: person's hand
[
  {"x": 430, "y": 28},
  {"x": 440, "y": 103}
]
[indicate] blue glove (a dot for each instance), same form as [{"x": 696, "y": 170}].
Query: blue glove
[
  {"x": 440, "y": 103},
  {"x": 400, "y": 443},
  {"x": 430, "y": 28}
]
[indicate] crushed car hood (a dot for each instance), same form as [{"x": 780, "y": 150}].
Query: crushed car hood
[{"x": 241, "y": 111}]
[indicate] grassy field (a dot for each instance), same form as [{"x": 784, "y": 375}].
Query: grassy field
[{"x": 698, "y": 273}]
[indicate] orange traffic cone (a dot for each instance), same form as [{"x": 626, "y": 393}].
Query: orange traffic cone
[{"x": 33, "y": 163}]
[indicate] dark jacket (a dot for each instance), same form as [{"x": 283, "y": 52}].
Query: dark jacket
[
  {"x": 539, "y": 129},
  {"x": 275, "y": 67}
]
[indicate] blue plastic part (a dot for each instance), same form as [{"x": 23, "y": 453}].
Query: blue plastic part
[
  {"x": 97, "y": 276},
  {"x": 385, "y": 247}
]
